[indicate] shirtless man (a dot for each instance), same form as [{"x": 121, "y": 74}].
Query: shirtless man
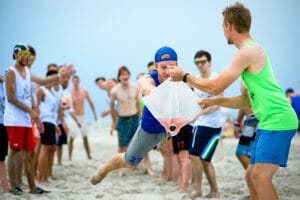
[
  {"x": 277, "y": 119},
  {"x": 78, "y": 96},
  {"x": 129, "y": 110}
]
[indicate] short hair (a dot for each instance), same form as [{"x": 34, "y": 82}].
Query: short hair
[
  {"x": 51, "y": 72},
  {"x": 150, "y": 63},
  {"x": 99, "y": 78},
  {"x": 239, "y": 16},
  {"x": 114, "y": 80},
  {"x": 75, "y": 77},
  {"x": 31, "y": 50},
  {"x": 122, "y": 69},
  {"x": 289, "y": 90},
  {"x": 201, "y": 53},
  {"x": 52, "y": 64}
]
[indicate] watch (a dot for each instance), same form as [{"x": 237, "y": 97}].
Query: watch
[{"x": 185, "y": 77}]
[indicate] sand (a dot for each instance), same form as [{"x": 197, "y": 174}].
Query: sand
[{"x": 72, "y": 179}]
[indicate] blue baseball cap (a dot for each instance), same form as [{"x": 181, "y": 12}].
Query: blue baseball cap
[{"x": 165, "y": 54}]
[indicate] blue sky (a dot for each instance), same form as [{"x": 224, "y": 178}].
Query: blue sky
[{"x": 98, "y": 36}]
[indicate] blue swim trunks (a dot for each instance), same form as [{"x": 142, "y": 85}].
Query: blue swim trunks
[
  {"x": 271, "y": 147},
  {"x": 126, "y": 128}
]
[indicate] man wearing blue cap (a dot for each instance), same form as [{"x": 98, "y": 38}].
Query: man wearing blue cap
[{"x": 150, "y": 132}]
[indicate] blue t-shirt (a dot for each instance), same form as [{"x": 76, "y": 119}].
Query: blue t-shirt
[
  {"x": 149, "y": 123},
  {"x": 295, "y": 101}
]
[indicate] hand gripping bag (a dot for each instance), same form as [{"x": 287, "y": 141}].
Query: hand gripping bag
[{"x": 173, "y": 104}]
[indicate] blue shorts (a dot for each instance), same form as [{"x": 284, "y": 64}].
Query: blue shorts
[
  {"x": 126, "y": 128},
  {"x": 205, "y": 141},
  {"x": 247, "y": 136},
  {"x": 271, "y": 147}
]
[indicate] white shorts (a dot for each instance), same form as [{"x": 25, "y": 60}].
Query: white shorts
[{"x": 74, "y": 130}]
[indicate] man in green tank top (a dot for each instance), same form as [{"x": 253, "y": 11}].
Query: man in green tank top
[{"x": 277, "y": 120}]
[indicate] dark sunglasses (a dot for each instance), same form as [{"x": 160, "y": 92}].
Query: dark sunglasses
[{"x": 202, "y": 62}]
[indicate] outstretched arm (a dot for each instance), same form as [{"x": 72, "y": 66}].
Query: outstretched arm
[
  {"x": 65, "y": 72},
  {"x": 146, "y": 84},
  {"x": 216, "y": 86},
  {"x": 237, "y": 102}
]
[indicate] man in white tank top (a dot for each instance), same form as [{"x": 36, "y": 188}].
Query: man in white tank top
[
  {"x": 19, "y": 111},
  {"x": 206, "y": 133}
]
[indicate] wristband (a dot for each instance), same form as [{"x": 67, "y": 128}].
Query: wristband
[
  {"x": 236, "y": 124},
  {"x": 185, "y": 77}
]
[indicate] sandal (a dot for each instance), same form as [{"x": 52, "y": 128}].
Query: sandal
[
  {"x": 40, "y": 191},
  {"x": 16, "y": 191}
]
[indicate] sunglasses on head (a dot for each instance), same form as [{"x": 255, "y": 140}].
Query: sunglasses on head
[
  {"x": 202, "y": 62},
  {"x": 24, "y": 54}
]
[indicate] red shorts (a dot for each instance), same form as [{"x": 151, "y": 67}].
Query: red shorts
[{"x": 20, "y": 138}]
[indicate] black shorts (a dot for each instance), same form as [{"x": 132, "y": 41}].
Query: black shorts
[
  {"x": 3, "y": 143},
  {"x": 48, "y": 137},
  {"x": 62, "y": 139},
  {"x": 204, "y": 142},
  {"x": 182, "y": 140}
]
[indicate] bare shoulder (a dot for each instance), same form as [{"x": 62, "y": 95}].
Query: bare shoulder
[
  {"x": 251, "y": 53},
  {"x": 115, "y": 88},
  {"x": 146, "y": 79},
  {"x": 254, "y": 57},
  {"x": 10, "y": 75}
]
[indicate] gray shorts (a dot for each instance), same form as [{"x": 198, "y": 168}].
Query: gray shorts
[{"x": 141, "y": 143}]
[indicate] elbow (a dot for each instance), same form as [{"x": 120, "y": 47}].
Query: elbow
[
  {"x": 216, "y": 91},
  {"x": 10, "y": 99}
]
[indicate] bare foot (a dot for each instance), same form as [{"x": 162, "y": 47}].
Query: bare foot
[
  {"x": 196, "y": 193},
  {"x": 213, "y": 195},
  {"x": 97, "y": 178},
  {"x": 163, "y": 178},
  {"x": 149, "y": 172}
]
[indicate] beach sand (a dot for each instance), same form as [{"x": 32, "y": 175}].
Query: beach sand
[{"x": 72, "y": 179}]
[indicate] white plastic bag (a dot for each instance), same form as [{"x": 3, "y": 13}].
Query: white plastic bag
[{"x": 173, "y": 104}]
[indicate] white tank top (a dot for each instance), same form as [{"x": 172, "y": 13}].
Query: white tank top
[
  {"x": 14, "y": 116},
  {"x": 48, "y": 111},
  {"x": 214, "y": 119},
  {"x": 57, "y": 95},
  {"x": 2, "y": 102}
]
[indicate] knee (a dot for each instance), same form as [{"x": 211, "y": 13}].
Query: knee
[
  {"x": 248, "y": 175},
  {"x": 257, "y": 177}
]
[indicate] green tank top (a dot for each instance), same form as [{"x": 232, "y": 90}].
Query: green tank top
[{"x": 267, "y": 99}]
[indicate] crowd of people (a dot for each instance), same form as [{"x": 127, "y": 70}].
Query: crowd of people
[{"x": 34, "y": 112}]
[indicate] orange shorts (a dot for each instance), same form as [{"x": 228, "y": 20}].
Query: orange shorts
[{"x": 20, "y": 138}]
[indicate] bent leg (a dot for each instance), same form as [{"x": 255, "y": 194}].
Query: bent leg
[
  {"x": 116, "y": 162},
  {"x": 262, "y": 180}
]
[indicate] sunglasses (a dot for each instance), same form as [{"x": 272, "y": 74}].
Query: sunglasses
[
  {"x": 202, "y": 62},
  {"x": 24, "y": 54}
]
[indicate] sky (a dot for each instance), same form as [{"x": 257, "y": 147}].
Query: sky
[{"x": 99, "y": 36}]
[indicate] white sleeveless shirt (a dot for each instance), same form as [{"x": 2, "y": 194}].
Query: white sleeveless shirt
[
  {"x": 2, "y": 102},
  {"x": 214, "y": 119},
  {"x": 14, "y": 116},
  {"x": 57, "y": 95},
  {"x": 48, "y": 111}
]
